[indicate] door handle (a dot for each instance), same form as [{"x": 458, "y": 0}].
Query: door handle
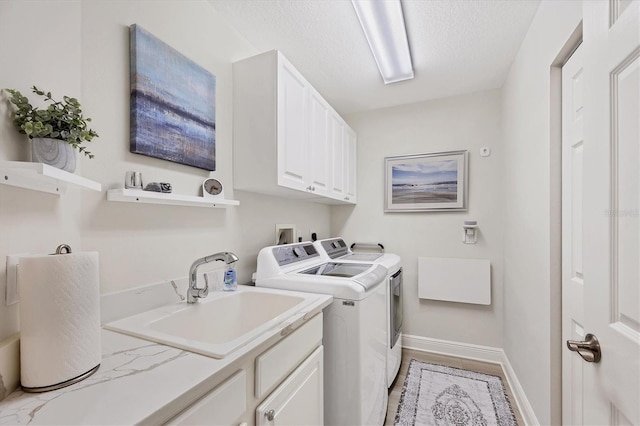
[{"x": 588, "y": 349}]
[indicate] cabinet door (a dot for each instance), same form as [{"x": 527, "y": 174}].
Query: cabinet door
[
  {"x": 319, "y": 161},
  {"x": 351, "y": 165},
  {"x": 222, "y": 406},
  {"x": 292, "y": 127},
  {"x": 337, "y": 139},
  {"x": 299, "y": 399}
]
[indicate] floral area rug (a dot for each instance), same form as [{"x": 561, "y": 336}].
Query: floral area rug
[{"x": 438, "y": 395}]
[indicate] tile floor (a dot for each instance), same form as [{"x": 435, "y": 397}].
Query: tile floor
[{"x": 482, "y": 367}]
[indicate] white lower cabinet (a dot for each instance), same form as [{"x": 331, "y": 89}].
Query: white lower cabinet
[
  {"x": 222, "y": 406},
  {"x": 282, "y": 385},
  {"x": 299, "y": 399}
]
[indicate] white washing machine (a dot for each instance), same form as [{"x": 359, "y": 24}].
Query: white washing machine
[
  {"x": 335, "y": 249},
  {"x": 355, "y": 382}
]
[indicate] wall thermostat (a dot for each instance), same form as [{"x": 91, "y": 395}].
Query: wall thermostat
[{"x": 212, "y": 188}]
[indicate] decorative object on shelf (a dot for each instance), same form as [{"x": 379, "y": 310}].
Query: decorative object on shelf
[
  {"x": 212, "y": 188},
  {"x": 163, "y": 187},
  {"x": 172, "y": 104},
  {"x": 54, "y": 152},
  {"x": 133, "y": 180},
  {"x": 426, "y": 182},
  {"x": 55, "y": 131}
]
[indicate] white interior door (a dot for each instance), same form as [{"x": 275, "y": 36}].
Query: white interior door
[
  {"x": 572, "y": 272},
  {"x": 611, "y": 210}
]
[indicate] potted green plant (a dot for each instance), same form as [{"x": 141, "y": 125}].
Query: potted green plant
[{"x": 54, "y": 131}]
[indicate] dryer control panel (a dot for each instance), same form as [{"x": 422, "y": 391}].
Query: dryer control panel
[
  {"x": 335, "y": 247},
  {"x": 292, "y": 253}
]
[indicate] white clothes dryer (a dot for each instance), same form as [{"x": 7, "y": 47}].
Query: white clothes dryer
[
  {"x": 337, "y": 250},
  {"x": 355, "y": 388}
]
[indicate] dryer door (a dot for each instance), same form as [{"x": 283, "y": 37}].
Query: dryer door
[{"x": 395, "y": 293}]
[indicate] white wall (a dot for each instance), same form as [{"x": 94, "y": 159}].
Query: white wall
[
  {"x": 531, "y": 323},
  {"x": 466, "y": 122},
  {"x": 32, "y": 222},
  {"x": 138, "y": 244}
]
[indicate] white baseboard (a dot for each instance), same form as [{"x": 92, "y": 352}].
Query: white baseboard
[
  {"x": 447, "y": 347},
  {"x": 526, "y": 410},
  {"x": 478, "y": 353}
]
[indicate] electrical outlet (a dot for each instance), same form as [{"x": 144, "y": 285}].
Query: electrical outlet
[{"x": 11, "y": 295}]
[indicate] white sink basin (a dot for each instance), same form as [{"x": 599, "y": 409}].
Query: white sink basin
[{"x": 219, "y": 324}]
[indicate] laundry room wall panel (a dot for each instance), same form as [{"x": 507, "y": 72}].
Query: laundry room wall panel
[{"x": 466, "y": 122}]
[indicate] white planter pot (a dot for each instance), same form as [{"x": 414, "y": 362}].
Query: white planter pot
[{"x": 54, "y": 152}]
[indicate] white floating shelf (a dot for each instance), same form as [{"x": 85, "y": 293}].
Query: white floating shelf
[
  {"x": 42, "y": 177},
  {"x": 150, "y": 197}
]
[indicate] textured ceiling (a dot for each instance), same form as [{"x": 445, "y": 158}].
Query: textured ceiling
[{"x": 458, "y": 46}]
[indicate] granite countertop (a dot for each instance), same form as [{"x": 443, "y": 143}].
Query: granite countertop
[{"x": 138, "y": 382}]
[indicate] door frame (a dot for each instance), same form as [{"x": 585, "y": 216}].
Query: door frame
[{"x": 555, "y": 169}]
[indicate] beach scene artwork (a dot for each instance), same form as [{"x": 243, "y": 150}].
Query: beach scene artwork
[
  {"x": 172, "y": 104},
  {"x": 426, "y": 182}
]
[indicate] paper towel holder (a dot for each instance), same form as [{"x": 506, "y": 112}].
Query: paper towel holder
[
  {"x": 62, "y": 384},
  {"x": 60, "y": 250}
]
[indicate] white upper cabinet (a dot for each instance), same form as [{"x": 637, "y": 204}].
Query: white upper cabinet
[
  {"x": 319, "y": 149},
  {"x": 337, "y": 156},
  {"x": 287, "y": 140},
  {"x": 293, "y": 146},
  {"x": 351, "y": 161},
  {"x": 342, "y": 141}
]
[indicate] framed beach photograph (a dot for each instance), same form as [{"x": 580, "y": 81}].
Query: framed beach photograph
[{"x": 426, "y": 182}]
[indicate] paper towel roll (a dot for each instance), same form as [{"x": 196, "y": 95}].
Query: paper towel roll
[{"x": 59, "y": 318}]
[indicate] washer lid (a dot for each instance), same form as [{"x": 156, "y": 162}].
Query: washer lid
[
  {"x": 366, "y": 275},
  {"x": 335, "y": 269}
]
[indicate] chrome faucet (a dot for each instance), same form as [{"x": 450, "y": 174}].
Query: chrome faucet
[{"x": 194, "y": 293}]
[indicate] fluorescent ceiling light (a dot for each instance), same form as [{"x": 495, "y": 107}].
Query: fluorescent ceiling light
[{"x": 383, "y": 24}]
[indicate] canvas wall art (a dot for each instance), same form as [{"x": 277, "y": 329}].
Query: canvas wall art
[
  {"x": 426, "y": 182},
  {"x": 172, "y": 104}
]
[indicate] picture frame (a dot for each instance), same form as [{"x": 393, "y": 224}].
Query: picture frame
[
  {"x": 172, "y": 103},
  {"x": 426, "y": 182}
]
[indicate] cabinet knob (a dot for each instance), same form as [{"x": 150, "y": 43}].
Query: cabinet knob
[{"x": 271, "y": 414}]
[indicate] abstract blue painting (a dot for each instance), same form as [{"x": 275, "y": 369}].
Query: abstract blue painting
[{"x": 173, "y": 104}]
